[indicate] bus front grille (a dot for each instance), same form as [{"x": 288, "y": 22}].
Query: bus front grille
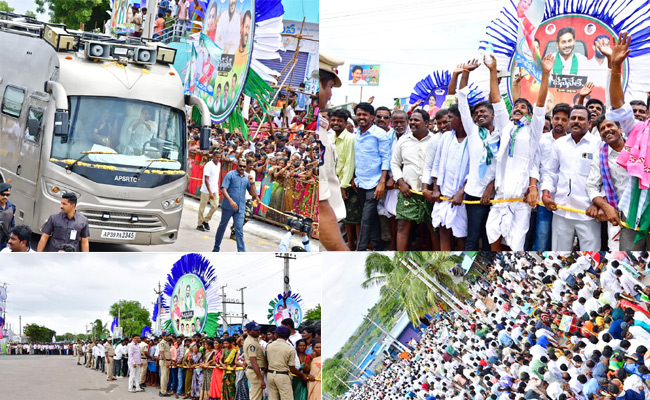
[{"x": 105, "y": 219}]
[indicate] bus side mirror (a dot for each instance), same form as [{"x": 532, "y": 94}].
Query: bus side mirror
[
  {"x": 34, "y": 126},
  {"x": 61, "y": 123},
  {"x": 204, "y": 141}
]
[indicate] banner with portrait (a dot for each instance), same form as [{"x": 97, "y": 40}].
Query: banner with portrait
[
  {"x": 529, "y": 14},
  {"x": 364, "y": 75},
  {"x": 288, "y": 308},
  {"x": 572, "y": 39},
  {"x": 224, "y": 54},
  {"x": 188, "y": 306}
]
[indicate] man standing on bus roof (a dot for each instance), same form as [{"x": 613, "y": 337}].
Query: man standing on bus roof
[
  {"x": 7, "y": 211},
  {"x": 234, "y": 187},
  {"x": 66, "y": 227}
]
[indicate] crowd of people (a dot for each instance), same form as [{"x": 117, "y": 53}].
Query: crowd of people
[
  {"x": 279, "y": 163},
  {"x": 283, "y": 362},
  {"x": 563, "y": 326},
  {"x": 61, "y": 349},
  {"x": 470, "y": 177}
]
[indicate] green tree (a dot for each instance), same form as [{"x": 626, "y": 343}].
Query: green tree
[
  {"x": 38, "y": 333},
  {"x": 5, "y": 7},
  {"x": 414, "y": 296},
  {"x": 72, "y": 13},
  {"x": 30, "y": 14},
  {"x": 133, "y": 317},
  {"x": 313, "y": 314},
  {"x": 98, "y": 329},
  {"x": 335, "y": 371}
]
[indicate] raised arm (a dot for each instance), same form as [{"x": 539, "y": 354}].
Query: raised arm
[
  {"x": 491, "y": 65},
  {"x": 451, "y": 90},
  {"x": 547, "y": 66},
  {"x": 620, "y": 51},
  {"x": 467, "y": 68}
]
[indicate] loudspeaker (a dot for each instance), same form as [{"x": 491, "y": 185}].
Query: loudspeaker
[
  {"x": 98, "y": 50},
  {"x": 143, "y": 55}
]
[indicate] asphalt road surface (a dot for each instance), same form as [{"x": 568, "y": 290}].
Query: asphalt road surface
[
  {"x": 60, "y": 378},
  {"x": 259, "y": 236}
]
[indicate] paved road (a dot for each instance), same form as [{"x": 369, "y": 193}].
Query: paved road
[
  {"x": 258, "y": 236},
  {"x": 60, "y": 378}
]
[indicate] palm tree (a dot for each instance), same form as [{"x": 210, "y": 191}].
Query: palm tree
[
  {"x": 99, "y": 328},
  {"x": 415, "y": 297}
]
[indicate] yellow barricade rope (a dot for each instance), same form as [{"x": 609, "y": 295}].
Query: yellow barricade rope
[{"x": 493, "y": 201}]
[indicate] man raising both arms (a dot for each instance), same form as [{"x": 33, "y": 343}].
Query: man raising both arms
[{"x": 517, "y": 162}]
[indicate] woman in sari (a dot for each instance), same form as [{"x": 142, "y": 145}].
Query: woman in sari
[
  {"x": 300, "y": 386},
  {"x": 266, "y": 187},
  {"x": 313, "y": 368},
  {"x": 216, "y": 386},
  {"x": 241, "y": 383},
  {"x": 228, "y": 365},
  {"x": 277, "y": 189},
  {"x": 207, "y": 372},
  {"x": 197, "y": 375},
  {"x": 187, "y": 365}
]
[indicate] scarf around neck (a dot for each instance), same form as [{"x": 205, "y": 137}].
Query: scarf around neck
[{"x": 557, "y": 67}]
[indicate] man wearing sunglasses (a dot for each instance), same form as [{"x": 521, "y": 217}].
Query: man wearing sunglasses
[
  {"x": 7, "y": 211},
  {"x": 234, "y": 187}
]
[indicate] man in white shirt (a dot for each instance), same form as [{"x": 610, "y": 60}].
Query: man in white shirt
[
  {"x": 101, "y": 356},
  {"x": 209, "y": 190},
  {"x": 517, "y": 162},
  {"x": 568, "y": 165},
  {"x": 406, "y": 166},
  {"x": 228, "y": 29}
]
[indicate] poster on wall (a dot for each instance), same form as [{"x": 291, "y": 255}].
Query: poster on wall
[
  {"x": 364, "y": 75},
  {"x": 286, "y": 305},
  {"x": 572, "y": 39},
  {"x": 224, "y": 54}
]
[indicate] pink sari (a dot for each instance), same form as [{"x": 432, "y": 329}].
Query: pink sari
[{"x": 216, "y": 385}]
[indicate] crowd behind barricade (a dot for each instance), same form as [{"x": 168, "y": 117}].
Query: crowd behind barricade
[
  {"x": 560, "y": 327},
  {"x": 281, "y": 362},
  {"x": 52, "y": 349},
  {"x": 281, "y": 161},
  {"x": 469, "y": 177}
]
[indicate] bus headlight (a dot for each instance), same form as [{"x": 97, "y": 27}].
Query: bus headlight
[
  {"x": 57, "y": 190},
  {"x": 170, "y": 204}
]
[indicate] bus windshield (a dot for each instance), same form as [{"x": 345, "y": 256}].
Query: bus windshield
[{"x": 123, "y": 132}]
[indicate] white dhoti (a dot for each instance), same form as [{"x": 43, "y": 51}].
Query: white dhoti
[
  {"x": 613, "y": 237},
  {"x": 388, "y": 204},
  {"x": 510, "y": 221},
  {"x": 451, "y": 217}
]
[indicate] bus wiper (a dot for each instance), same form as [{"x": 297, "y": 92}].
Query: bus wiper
[
  {"x": 84, "y": 154},
  {"x": 143, "y": 168}
]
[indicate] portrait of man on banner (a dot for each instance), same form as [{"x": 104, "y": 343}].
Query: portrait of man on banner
[{"x": 224, "y": 54}]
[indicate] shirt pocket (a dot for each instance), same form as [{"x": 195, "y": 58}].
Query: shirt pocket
[
  {"x": 584, "y": 165},
  {"x": 61, "y": 232}
]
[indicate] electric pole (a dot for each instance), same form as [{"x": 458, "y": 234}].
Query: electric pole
[
  {"x": 241, "y": 290},
  {"x": 223, "y": 306},
  {"x": 158, "y": 293},
  {"x": 287, "y": 257}
]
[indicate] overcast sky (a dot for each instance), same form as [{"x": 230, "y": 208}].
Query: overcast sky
[
  {"x": 345, "y": 302},
  {"x": 409, "y": 40},
  {"x": 64, "y": 292}
]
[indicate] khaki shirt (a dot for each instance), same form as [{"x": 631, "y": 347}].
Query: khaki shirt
[
  {"x": 144, "y": 349},
  {"x": 252, "y": 348},
  {"x": 281, "y": 355},
  {"x": 110, "y": 350},
  {"x": 165, "y": 351}
]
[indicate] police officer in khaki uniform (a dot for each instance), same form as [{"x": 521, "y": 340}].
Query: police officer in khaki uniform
[
  {"x": 144, "y": 354},
  {"x": 89, "y": 354},
  {"x": 282, "y": 360},
  {"x": 255, "y": 361},
  {"x": 165, "y": 362},
  {"x": 79, "y": 351},
  {"x": 110, "y": 353}
]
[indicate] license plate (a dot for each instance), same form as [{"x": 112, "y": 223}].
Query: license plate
[{"x": 119, "y": 235}]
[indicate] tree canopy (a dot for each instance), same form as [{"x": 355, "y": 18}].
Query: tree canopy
[
  {"x": 133, "y": 317},
  {"x": 313, "y": 314},
  {"x": 73, "y": 13},
  {"x": 38, "y": 333}
]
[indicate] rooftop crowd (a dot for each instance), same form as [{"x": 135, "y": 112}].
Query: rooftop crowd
[{"x": 559, "y": 327}]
